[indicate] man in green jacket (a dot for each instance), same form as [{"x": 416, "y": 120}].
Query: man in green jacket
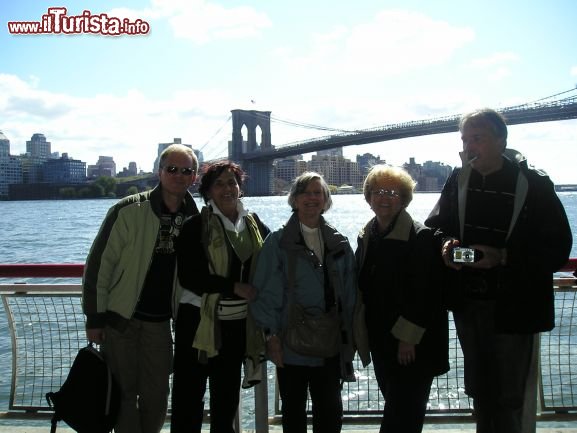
[{"x": 130, "y": 289}]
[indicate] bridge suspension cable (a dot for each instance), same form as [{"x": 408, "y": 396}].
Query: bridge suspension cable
[
  {"x": 216, "y": 133},
  {"x": 303, "y": 125},
  {"x": 220, "y": 147},
  {"x": 556, "y": 94}
]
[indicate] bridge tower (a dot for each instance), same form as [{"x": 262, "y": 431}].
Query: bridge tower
[{"x": 259, "y": 181}]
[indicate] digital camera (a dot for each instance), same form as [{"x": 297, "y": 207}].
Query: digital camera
[{"x": 463, "y": 255}]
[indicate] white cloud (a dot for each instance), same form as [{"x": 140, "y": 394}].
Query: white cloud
[
  {"x": 495, "y": 59},
  {"x": 202, "y": 21},
  {"x": 574, "y": 71},
  {"x": 386, "y": 46},
  {"x": 127, "y": 127}
]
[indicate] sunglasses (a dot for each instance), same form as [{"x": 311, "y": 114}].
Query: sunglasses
[
  {"x": 173, "y": 169},
  {"x": 386, "y": 192}
]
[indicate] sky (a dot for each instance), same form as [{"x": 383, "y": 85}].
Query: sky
[{"x": 338, "y": 64}]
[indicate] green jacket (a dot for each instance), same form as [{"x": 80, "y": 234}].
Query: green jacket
[{"x": 120, "y": 256}]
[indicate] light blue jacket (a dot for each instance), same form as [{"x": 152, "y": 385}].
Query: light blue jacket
[{"x": 270, "y": 310}]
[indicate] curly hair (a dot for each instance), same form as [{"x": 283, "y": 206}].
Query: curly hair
[{"x": 213, "y": 171}]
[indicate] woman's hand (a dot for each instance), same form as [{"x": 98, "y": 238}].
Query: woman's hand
[
  {"x": 245, "y": 291},
  {"x": 95, "y": 335},
  {"x": 274, "y": 350},
  {"x": 406, "y": 353}
]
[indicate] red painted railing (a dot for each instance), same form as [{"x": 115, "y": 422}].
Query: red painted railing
[
  {"x": 41, "y": 271},
  {"x": 75, "y": 270}
]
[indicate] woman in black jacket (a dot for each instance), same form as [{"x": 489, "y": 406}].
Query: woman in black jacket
[{"x": 406, "y": 322}]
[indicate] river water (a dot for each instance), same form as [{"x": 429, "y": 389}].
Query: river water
[{"x": 62, "y": 232}]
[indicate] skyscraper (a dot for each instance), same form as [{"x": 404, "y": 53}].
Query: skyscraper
[
  {"x": 10, "y": 167},
  {"x": 38, "y": 147}
]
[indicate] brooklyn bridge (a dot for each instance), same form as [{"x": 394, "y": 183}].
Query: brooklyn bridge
[{"x": 256, "y": 155}]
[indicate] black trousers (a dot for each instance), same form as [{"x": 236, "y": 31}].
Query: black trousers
[
  {"x": 190, "y": 377},
  {"x": 406, "y": 397},
  {"x": 496, "y": 367},
  {"x": 324, "y": 385}
]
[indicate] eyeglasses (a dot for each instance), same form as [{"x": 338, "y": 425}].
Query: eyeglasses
[
  {"x": 392, "y": 193},
  {"x": 174, "y": 170}
]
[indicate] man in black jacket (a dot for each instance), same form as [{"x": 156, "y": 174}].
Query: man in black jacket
[{"x": 512, "y": 219}]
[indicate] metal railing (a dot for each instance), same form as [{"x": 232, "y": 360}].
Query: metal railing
[{"x": 47, "y": 329}]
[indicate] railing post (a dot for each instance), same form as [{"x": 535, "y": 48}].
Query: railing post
[
  {"x": 531, "y": 394},
  {"x": 261, "y": 402}
]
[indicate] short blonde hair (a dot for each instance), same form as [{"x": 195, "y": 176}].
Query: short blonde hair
[
  {"x": 397, "y": 175},
  {"x": 300, "y": 184}
]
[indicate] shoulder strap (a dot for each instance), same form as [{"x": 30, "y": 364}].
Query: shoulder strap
[
  {"x": 292, "y": 259},
  {"x": 261, "y": 227}
]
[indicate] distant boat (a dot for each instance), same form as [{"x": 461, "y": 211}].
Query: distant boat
[{"x": 347, "y": 189}]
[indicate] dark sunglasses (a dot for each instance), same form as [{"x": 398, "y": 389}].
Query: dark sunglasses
[{"x": 173, "y": 169}]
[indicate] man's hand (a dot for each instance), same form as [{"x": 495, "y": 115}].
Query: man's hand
[
  {"x": 95, "y": 335},
  {"x": 447, "y": 253},
  {"x": 492, "y": 257}
]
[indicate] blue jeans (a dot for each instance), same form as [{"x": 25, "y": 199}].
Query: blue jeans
[{"x": 496, "y": 367}]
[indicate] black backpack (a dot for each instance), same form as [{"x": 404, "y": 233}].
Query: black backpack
[{"x": 89, "y": 398}]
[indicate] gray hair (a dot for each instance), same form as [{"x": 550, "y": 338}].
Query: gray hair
[
  {"x": 486, "y": 117},
  {"x": 300, "y": 185},
  {"x": 178, "y": 148}
]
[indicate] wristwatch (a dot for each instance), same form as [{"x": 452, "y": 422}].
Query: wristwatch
[{"x": 268, "y": 335}]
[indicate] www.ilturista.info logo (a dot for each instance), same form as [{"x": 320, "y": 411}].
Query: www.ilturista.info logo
[{"x": 55, "y": 21}]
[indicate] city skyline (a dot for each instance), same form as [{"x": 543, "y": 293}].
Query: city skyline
[
  {"x": 110, "y": 158},
  {"x": 333, "y": 65}
]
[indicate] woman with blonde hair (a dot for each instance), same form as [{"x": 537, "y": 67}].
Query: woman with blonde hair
[{"x": 406, "y": 322}]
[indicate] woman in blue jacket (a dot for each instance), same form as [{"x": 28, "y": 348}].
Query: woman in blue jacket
[{"x": 310, "y": 263}]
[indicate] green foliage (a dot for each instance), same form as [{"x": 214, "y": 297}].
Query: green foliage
[
  {"x": 67, "y": 192},
  {"x": 132, "y": 190},
  {"x": 108, "y": 185}
]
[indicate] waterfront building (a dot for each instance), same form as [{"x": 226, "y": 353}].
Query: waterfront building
[
  {"x": 336, "y": 151},
  {"x": 64, "y": 170},
  {"x": 438, "y": 173},
  {"x": 31, "y": 168},
  {"x": 430, "y": 176},
  {"x": 38, "y": 147},
  {"x": 38, "y": 151},
  {"x": 10, "y": 168},
  {"x": 366, "y": 161},
  {"x": 132, "y": 170},
  {"x": 105, "y": 166},
  {"x": 337, "y": 170},
  {"x": 288, "y": 169}
]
